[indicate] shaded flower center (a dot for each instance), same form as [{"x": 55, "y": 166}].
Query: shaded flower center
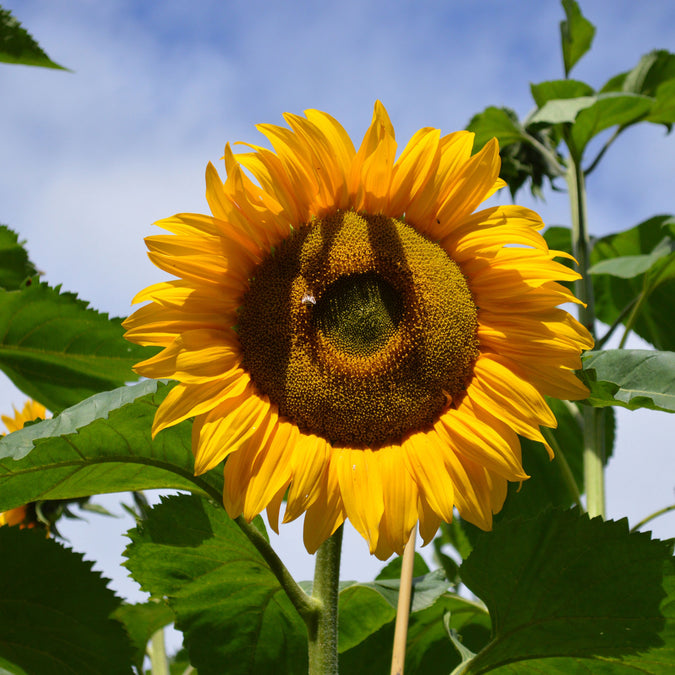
[
  {"x": 359, "y": 313},
  {"x": 359, "y": 329}
]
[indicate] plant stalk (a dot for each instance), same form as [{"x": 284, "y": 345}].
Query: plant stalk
[
  {"x": 159, "y": 664},
  {"x": 403, "y": 607},
  {"x": 323, "y": 630},
  {"x": 594, "y": 446}
]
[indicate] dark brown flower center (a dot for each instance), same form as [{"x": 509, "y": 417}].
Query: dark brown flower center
[{"x": 359, "y": 328}]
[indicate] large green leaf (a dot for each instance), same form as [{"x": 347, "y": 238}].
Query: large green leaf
[
  {"x": 576, "y": 34},
  {"x": 55, "y": 611},
  {"x": 654, "y": 75},
  {"x": 428, "y": 650},
  {"x": 608, "y": 110},
  {"x": 654, "y": 289},
  {"x": 15, "y": 266},
  {"x": 589, "y": 115},
  {"x": 101, "y": 445},
  {"x": 543, "y": 92},
  {"x": 631, "y": 378},
  {"x": 365, "y": 607},
  {"x": 58, "y": 350},
  {"x": 572, "y": 595},
  {"x": 229, "y": 605},
  {"x": 17, "y": 45}
]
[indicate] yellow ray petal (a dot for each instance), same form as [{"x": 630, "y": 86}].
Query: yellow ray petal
[
  {"x": 227, "y": 427},
  {"x": 327, "y": 513},
  {"x": 360, "y": 480},
  {"x": 424, "y": 460},
  {"x": 309, "y": 462}
]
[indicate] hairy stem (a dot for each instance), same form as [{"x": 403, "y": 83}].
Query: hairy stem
[
  {"x": 322, "y": 631},
  {"x": 594, "y": 447},
  {"x": 301, "y": 601}
]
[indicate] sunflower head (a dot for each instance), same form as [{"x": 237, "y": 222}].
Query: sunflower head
[
  {"x": 350, "y": 334},
  {"x": 26, "y": 515}
]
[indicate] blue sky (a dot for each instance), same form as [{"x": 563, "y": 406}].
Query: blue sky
[{"x": 91, "y": 158}]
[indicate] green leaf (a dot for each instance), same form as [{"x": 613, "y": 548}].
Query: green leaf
[
  {"x": 631, "y": 378},
  {"x": 499, "y": 123},
  {"x": 229, "y": 605},
  {"x": 526, "y": 154},
  {"x": 629, "y": 266},
  {"x": 550, "y": 90},
  {"x": 17, "y": 45},
  {"x": 652, "y": 70},
  {"x": 15, "y": 267},
  {"x": 654, "y": 75},
  {"x": 663, "y": 109},
  {"x": 392, "y": 570},
  {"x": 655, "y": 290},
  {"x": 55, "y": 611},
  {"x": 428, "y": 650},
  {"x": 101, "y": 445},
  {"x": 561, "y": 110},
  {"x": 607, "y": 111},
  {"x": 58, "y": 350},
  {"x": 576, "y": 34},
  {"x": 569, "y": 595},
  {"x": 141, "y": 622}
]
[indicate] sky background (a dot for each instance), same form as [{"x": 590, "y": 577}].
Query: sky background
[{"x": 90, "y": 159}]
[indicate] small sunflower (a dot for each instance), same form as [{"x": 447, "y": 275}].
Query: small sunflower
[
  {"x": 350, "y": 335},
  {"x": 23, "y": 516}
]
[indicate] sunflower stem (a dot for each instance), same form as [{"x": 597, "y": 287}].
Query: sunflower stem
[
  {"x": 159, "y": 664},
  {"x": 300, "y": 600},
  {"x": 403, "y": 607},
  {"x": 323, "y": 630},
  {"x": 594, "y": 447}
]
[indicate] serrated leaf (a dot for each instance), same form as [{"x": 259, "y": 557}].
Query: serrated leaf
[
  {"x": 55, "y": 611},
  {"x": 141, "y": 621},
  {"x": 15, "y": 266},
  {"x": 58, "y": 350},
  {"x": 543, "y": 92},
  {"x": 614, "y": 296},
  {"x": 229, "y": 605},
  {"x": 101, "y": 445},
  {"x": 562, "y": 585},
  {"x": 17, "y": 45},
  {"x": 576, "y": 34},
  {"x": 631, "y": 378}
]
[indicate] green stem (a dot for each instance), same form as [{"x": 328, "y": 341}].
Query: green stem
[
  {"x": 323, "y": 631},
  {"x": 159, "y": 664},
  {"x": 651, "y": 517},
  {"x": 631, "y": 319},
  {"x": 594, "y": 447},
  {"x": 306, "y": 606},
  {"x": 565, "y": 470}
]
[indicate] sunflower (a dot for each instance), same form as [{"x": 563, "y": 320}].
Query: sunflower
[
  {"x": 24, "y": 516},
  {"x": 349, "y": 335}
]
